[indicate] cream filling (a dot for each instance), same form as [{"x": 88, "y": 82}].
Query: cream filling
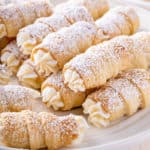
[
  {"x": 3, "y": 31},
  {"x": 82, "y": 127},
  {"x": 44, "y": 63},
  {"x": 28, "y": 77},
  {"x": 87, "y": 104},
  {"x": 26, "y": 43},
  {"x": 97, "y": 116},
  {"x": 27, "y": 46},
  {"x": 10, "y": 60},
  {"x": 52, "y": 98},
  {"x": 98, "y": 121},
  {"x": 74, "y": 81}
]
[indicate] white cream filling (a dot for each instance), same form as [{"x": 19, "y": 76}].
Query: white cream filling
[
  {"x": 9, "y": 59},
  {"x": 27, "y": 46},
  {"x": 3, "y": 31},
  {"x": 27, "y": 76},
  {"x": 52, "y": 98},
  {"x": 87, "y": 104},
  {"x": 26, "y": 73},
  {"x": 98, "y": 122},
  {"x": 82, "y": 127},
  {"x": 97, "y": 116},
  {"x": 74, "y": 81},
  {"x": 26, "y": 43},
  {"x": 44, "y": 63}
]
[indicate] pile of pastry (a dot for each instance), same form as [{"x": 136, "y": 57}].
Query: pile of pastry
[{"x": 79, "y": 53}]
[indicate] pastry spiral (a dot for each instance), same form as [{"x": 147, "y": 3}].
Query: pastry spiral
[
  {"x": 15, "y": 98},
  {"x": 121, "y": 96},
  {"x": 56, "y": 94},
  {"x": 32, "y": 35},
  {"x": 34, "y": 130},
  {"x": 17, "y": 15},
  {"x": 58, "y": 48},
  {"x": 104, "y": 61}
]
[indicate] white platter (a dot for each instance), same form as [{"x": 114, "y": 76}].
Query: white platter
[{"x": 129, "y": 134}]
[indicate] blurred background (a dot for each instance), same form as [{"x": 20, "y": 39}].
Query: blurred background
[{"x": 141, "y": 3}]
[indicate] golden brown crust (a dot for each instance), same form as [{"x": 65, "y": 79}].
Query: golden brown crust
[
  {"x": 9, "y": 15},
  {"x": 16, "y": 98},
  {"x": 33, "y": 35},
  {"x": 25, "y": 13},
  {"x": 69, "y": 98},
  {"x": 120, "y": 96},
  {"x": 118, "y": 21},
  {"x": 101, "y": 62},
  {"x": 62, "y": 46},
  {"x": 33, "y": 130},
  {"x": 96, "y": 8}
]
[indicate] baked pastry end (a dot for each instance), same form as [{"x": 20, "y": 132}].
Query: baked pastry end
[{"x": 73, "y": 80}]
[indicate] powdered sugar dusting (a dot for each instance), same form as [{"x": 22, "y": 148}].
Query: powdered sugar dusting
[
  {"x": 6, "y": 2},
  {"x": 35, "y": 31},
  {"x": 140, "y": 78},
  {"x": 96, "y": 8},
  {"x": 55, "y": 22},
  {"x": 34, "y": 9},
  {"x": 53, "y": 131},
  {"x": 68, "y": 42},
  {"x": 110, "y": 100},
  {"x": 123, "y": 53},
  {"x": 16, "y": 98},
  {"x": 120, "y": 96},
  {"x": 124, "y": 87},
  {"x": 9, "y": 14},
  {"x": 74, "y": 13},
  {"x": 14, "y": 132},
  {"x": 43, "y": 26},
  {"x": 56, "y": 93},
  {"x": 54, "y": 79},
  {"x": 25, "y": 13}
]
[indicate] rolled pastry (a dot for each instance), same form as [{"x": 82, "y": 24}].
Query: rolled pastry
[
  {"x": 34, "y": 130},
  {"x": 104, "y": 61},
  {"x": 28, "y": 76},
  {"x": 59, "y": 47},
  {"x": 15, "y": 98},
  {"x": 118, "y": 97},
  {"x": 32, "y": 35},
  {"x": 15, "y": 16},
  {"x": 65, "y": 15},
  {"x": 5, "y": 75},
  {"x": 118, "y": 21},
  {"x": 51, "y": 55},
  {"x": 11, "y": 56},
  {"x": 59, "y": 96},
  {"x": 95, "y": 7}
]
